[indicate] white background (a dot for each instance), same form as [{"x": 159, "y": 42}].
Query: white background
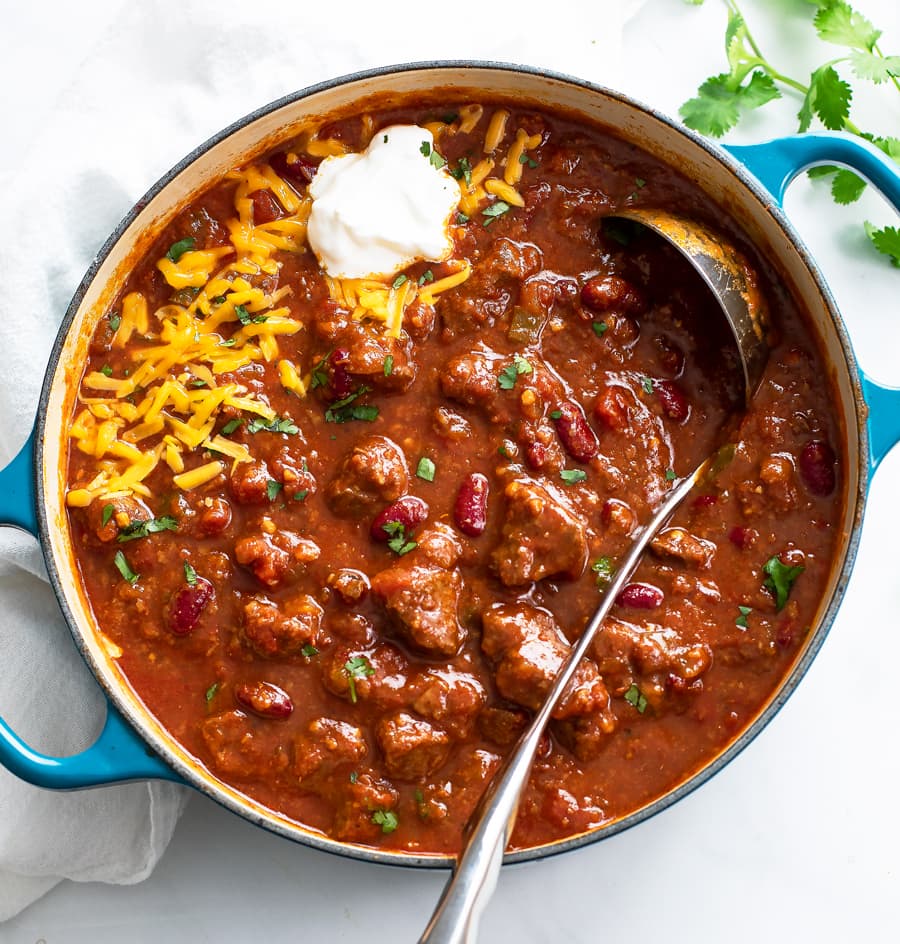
[{"x": 798, "y": 839}]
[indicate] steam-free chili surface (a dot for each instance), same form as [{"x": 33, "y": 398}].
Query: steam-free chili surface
[{"x": 353, "y": 626}]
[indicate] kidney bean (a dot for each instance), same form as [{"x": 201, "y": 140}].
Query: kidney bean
[
  {"x": 265, "y": 207},
  {"x": 603, "y": 292},
  {"x": 611, "y": 408},
  {"x": 470, "y": 509},
  {"x": 300, "y": 170},
  {"x": 674, "y": 402},
  {"x": 743, "y": 538},
  {"x": 536, "y": 455},
  {"x": 187, "y": 605},
  {"x": 642, "y": 596},
  {"x": 264, "y": 699},
  {"x": 341, "y": 381},
  {"x": 705, "y": 501},
  {"x": 817, "y": 462},
  {"x": 578, "y": 439},
  {"x": 408, "y": 511},
  {"x": 671, "y": 358}
]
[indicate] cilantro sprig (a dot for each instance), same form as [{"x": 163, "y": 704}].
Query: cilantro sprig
[
  {"x": 508, "y": 376},
  {"x": 140, "y": 529},
  {"x": 752, "y": 81},
  {"x": 358, "y": 667},
  {"x": 346, "y": 409},
  {"x": 780, "y": 579}
]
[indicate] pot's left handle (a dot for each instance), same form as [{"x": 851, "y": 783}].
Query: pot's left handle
[
  {"x": 775, "y": 164},
  {"x": 118, "y": 754}
]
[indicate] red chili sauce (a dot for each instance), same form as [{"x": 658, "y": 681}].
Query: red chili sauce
[{"x": 354, "y": 621}]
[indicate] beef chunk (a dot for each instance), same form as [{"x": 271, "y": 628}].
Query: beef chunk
[
  {"x": 372, "y": 473},
  {"x": 471, "y": 378},
  {"x": 682, "y": 545},
  {"x": 423, "y": 600},
  {"x": 503, "y": 726},
  {"x": 325, "y": 746},
  {"x": 356, "y": 354},
  {"x": 440, "y": 544},
  {"x": 234, "y": 748},
  {"x": 249, "y": 482},
  {"x": 451, "y": 699},
  {"x": 492, "y": 288},
  {"x": 109, "y": 517},
  {"x": 528, "y": 649},
  {"x": 356, "y": 818},
  {"x": 350, "y": 585},
  {"x": 272, "y": 630},
  {"x": 273, "y": 557},
  {"x": 412, "y": 747},
  {"x": 541, "y": 535}
]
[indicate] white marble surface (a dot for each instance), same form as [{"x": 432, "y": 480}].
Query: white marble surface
[{"x": 797, "y": 839}]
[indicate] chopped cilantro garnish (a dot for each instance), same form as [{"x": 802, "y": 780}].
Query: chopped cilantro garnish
[
  {"x": 386, "y": 819},
  {"x": 780, "y": 579},
  {"x": 425, "y": 469},
  {"x": 277, "y": 425},
  {"x": 572, "y": 476},
  {"x": 741, "y": 621},
  {"x": 497, "y": 208},
  {"x": 461, "y": 218},
  {"x": 231, "y": 426},
  {"x": 647, "y": 384},
  {"x": 229, "y": 343},
  {"x": 177, "y": 250},
  {"x": 122, "y": 565},
  {"x": 211, "y": 692},
  {"x": 634, "y": 698},
  {"x": 344, "y": 410},
  {"x": 437, "y": 160},
  {"x": 106, "y": 370},
  {"x": 425, "y": 149},
  {"x": 401, "y": 278},
  {"x": 246, "y": 318},
  {"x": 388, "y": 366},
  {"x": 525, "y": 159},
  {"x": 358, "y": 667},
  {"x": 385, "y": 139},
  {"x": 507, "y": 378},
  {"x": 273, "y": 488},
  {"x": 671, "y": 475},
  {"x": 115, "y": 320},
  {"x": 501, "y": 450},
  {"x": 640, "y": 182},
  {"x": 299, "y": 496},
  {"x": 603, "y": 568},
  {"x": 449, "y": 118},
  {"x": 462, "y": 171},
  {"x": 426, "y": 276},
  {"x": 354, "y": 776},
  {"x": 398, "y": 543},
  {"x": 190, "y": 575},
  {"x": 319, "y": 376},
  {"x": 107, "y": 514},
  {"x": 140, "y": 529},
  {"x": 599, "y": 328},
  {"x": 555, "y": 414},
  {"x": 309, "y": 651}
]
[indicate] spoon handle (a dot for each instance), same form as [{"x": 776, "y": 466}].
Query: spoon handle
[{"x": 467, "y": 892}]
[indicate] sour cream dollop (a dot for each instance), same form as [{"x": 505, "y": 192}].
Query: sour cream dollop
[{"x": 377, "y": 212}]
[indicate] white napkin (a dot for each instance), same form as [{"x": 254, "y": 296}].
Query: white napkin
[{"x": 132, "y": 89}]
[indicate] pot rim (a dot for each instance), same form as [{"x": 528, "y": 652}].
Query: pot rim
[{"x": 231, "y": 799}]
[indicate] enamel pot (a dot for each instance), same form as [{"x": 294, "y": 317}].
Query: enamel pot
[{"x": 748, "y": 183}]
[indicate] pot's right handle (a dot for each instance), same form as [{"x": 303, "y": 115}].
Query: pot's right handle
[
  {"x": 118, "y": 754},
  {"x": 775, "y": 164}
]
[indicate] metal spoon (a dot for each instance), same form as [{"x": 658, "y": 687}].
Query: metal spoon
[{"x": 733, "y": 282}]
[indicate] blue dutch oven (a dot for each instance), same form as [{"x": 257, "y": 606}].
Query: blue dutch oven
[{"x": 747, "y": 182}]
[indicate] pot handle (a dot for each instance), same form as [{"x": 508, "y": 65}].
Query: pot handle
[
  {"x": 775, "y": 164},
  {"x": 118, "y": 754}
]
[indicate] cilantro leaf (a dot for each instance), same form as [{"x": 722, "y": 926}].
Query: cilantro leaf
[
  {"x": 387, "y": 366},
  {"x": 647, "y": 384},
  {"x": 231, "y": 426},
  {"x": 886, "y": 241},
  {"x": 108, "y": 511},
  {"x": 874, "y": 68},
  {"x": 190, "y": 575},
  {"x": 246, "y": 318},
  {"x": 309, "y": 651},
  {"x": 273, "y": 488},
  {"x": 140, "y": 529},
  {"x": 345, "y": 409},
  {"x": 715, "y": 108},
  {"x": 386, "y": 819},
  {"x": 355, "y": 668},
  {"x": 398, "y": 543},
  {"x": 277, "y": 425},
  {"x": 603, "y": 568},
  {"x": 400, "y": 280},
  {"x": 759, "y": 90},
  {"x": 463, "y": 171},
  {"x": 741, "y": 621},
  {"x": 122, "y": 566},
  {"x": 495, "y": 210},
  {"x": 319, "y": 375},
  {"x": 634, "y": 698},
  {"x": 507, "y": 378},
  {"x": 425, "y": 469},
  {"x": 837, "y": 22},
  {"x": 177, "y": 250},
  {"x": 211, "y": 692},
  {"x": 828, "y": 97},
  {"x": 599, "y": 328},
  {"x": 437, "y": 160},
  {"x": 847, "y": 187},
  {"x": 780, "y": 579},
  {"x": 573, "y": 476}
]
